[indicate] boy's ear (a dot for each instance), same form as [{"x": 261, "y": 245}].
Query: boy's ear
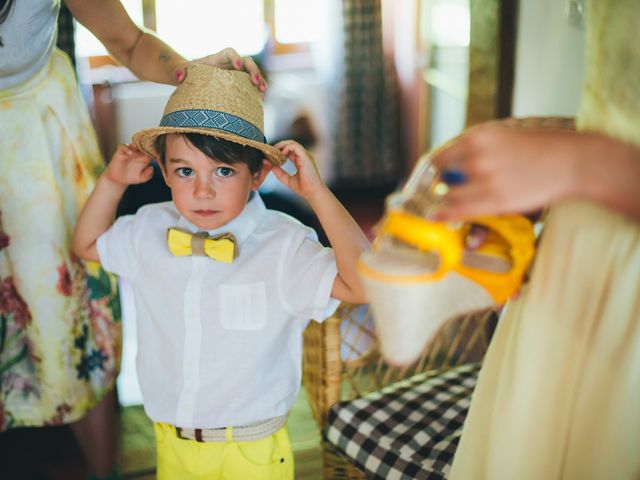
[{"x": 260, "y": 175}]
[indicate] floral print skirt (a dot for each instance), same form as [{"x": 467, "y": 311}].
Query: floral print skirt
[{"x": 60, "y": 335}]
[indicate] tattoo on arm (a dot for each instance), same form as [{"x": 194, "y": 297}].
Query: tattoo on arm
[{"x": 164, "y": 57}]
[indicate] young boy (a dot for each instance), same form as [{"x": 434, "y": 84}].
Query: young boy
[{"x": 220, "y": 338}]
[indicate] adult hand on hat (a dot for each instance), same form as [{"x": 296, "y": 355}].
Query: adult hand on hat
[{"x": 228, "y": 59}]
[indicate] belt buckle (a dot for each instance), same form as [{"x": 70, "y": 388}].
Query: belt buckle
[{"x": 197, "y": 432}]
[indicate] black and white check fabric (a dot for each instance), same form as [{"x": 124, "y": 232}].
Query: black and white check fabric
[{"x": 408, "y": 430}]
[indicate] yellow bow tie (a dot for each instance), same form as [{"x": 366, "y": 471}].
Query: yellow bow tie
[{"x": 219, "y": 247}]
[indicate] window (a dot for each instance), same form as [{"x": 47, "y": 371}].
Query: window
[
  {"x": 87, "y": 45},
  {"x": 298, "y": 21},
  {"x": 445, "y": 34},
  {"x": 450, "y": 23},
  {"x": 199, "y": 27}
]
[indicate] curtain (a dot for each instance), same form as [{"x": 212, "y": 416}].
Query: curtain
[
  {"x": 66, "y": 40},
  {"x": 366, "y": 131}
]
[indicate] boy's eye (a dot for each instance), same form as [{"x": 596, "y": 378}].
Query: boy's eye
[
  {"x": 184, "y": 172},
  {"x": 224, "y": 171}
]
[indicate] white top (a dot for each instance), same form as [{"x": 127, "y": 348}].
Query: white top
[
  {"x": 221, "y": 344},
  {"x": 29, "y": 34}
]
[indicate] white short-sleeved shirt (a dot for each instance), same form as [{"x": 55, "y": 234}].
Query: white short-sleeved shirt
[{"x": 221, "y": 344}]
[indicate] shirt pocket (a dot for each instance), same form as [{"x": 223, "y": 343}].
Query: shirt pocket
[{"x": 243, "y": 307}]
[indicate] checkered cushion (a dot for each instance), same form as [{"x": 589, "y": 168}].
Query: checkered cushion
[{"x": 409, "y": 430}]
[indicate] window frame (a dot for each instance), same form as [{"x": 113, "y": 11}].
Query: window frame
[{"x": 279, "y": 49}]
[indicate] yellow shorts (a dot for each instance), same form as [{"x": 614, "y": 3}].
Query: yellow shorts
[{"x": 269, "y": 458}]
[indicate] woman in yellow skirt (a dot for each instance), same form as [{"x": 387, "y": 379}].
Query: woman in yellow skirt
[
  {"x": 559, "y": 392},
  {"x": 60, "y": 335}
]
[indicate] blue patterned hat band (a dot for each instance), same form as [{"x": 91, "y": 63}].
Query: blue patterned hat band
[
  {"x": 216, "y": 102},
  {"x": 215, "y": 119}
]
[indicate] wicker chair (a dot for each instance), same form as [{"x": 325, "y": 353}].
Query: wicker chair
[
  {"x": 336, "y": 369},
  {"x": 342, "y": 362}
]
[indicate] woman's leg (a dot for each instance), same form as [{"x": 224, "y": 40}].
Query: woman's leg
[{"x": 96, "y": 433}]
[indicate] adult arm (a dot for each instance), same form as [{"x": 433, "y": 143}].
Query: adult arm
[
  {"x": 140, "y": 50},
  {"x": 511, "y": 170}
]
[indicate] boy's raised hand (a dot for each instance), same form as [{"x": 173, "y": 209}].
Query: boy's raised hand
[
  {"x": 346, "y": 238},
  {"x": 129, "y": 166},
  {"x": 306, "y": 182}
]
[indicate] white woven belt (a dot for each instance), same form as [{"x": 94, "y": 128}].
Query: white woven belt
[{"x": 246, "y": 433}]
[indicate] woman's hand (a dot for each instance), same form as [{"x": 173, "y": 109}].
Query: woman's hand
[
  {"x": 228, "y": 59},
  {"x": 129, "y": 166},
  {"x": 306, "y": 182},
  {"x": 509, "y": 170}
]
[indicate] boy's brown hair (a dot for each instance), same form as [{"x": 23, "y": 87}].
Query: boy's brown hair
[{"x": 217, "y": 149}]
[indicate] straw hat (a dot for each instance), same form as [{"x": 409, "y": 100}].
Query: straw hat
[{"x": 221, "y": 103}]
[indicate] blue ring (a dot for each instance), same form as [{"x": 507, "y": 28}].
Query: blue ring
[{"x": 453, "y": 177}]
